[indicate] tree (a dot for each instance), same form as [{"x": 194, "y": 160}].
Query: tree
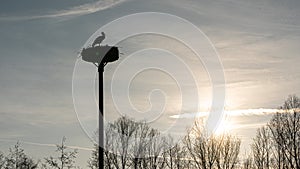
[
  {"x": 285, "y": 128},
  {"x": 140, "y": 145},
  {"x": 2, "y": 160},
  {"x": 130, "y": 144},
  {"x": 262, "y": 148},
  {"x": 17, "y": 159},
  {"x": 229, "y": 148},
  {"x": 203, "y": 149},
  {"x": 248, "y": 162},
  {"x": 155, "y": 148},
  {"x": 122, "y": 139},
  {"x": 176, "y": 155},
  {"x": 93, "y": 161},
  {"x": 65, "y": 159},
  {"x": 210, "y": 151}
]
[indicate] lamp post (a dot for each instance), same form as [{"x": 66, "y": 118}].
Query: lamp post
[
  {"x": 100, "y": 56},
  {"x": 101, "y": 117}
]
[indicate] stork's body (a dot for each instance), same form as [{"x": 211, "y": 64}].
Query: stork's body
[{"x": 99, "y": 39}]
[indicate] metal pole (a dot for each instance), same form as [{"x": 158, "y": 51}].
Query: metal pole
[{"x": 101, "y": 118}]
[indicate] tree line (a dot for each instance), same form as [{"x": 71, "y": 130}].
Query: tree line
[
  {"x": 131, "y": 144},
  {"x": 18, "y": 159},
  {"x": 277, "y": 144},
  {"x": 136, "y": 145}
]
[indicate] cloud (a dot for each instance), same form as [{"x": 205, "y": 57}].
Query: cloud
[
  {"x": 232, "y": 113},
  {"x": 248, "y": 126},
  {"x": 46, "y": 145},
  {"x": 80, "y": 10}
]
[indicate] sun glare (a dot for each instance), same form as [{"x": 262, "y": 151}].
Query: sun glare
[{"x": 225, "y": 127}]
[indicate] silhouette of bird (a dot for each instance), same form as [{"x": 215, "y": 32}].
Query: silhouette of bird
[{"x": 99, "y": 39}]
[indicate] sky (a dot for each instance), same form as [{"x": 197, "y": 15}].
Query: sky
[{"x": 257, "y": 42}]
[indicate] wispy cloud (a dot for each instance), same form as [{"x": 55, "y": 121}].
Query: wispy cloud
[
  {"x": 248, "y": 126},
  {"x": 233, "y": 113},
  {"x": 44, "y": 144},
  {"x": 80, "y": 10}
]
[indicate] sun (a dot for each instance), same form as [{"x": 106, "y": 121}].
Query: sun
[{"x": 225, "y": 127}]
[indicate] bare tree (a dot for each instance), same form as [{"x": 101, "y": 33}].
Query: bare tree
[
  {"x": 140, "y": 143},
  {"x": 176, "y": 155},
  {"x": 285, "y": 128},
  {"x": 65, "y": 158},
  {"x": 155, "y": 148},
  {"x": 209, "y": 151},
  {"x": 228, "y": 152},
  {"x": 17, "y": 159},
  {"x": 123, "y": 130},
  {"x": 248, "y": 162},
  {"x": 204, "y": 150},
  {"x": 135, "y": 145},
  {"x": 2, "y": 160},
  {"x": 277, "y": 129},
  {"x": 93, "y": 161},
  {"x": 110, "y": 150},
  {"x": 262, "y": 148},
  {"x": 130, "y": 144}
]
